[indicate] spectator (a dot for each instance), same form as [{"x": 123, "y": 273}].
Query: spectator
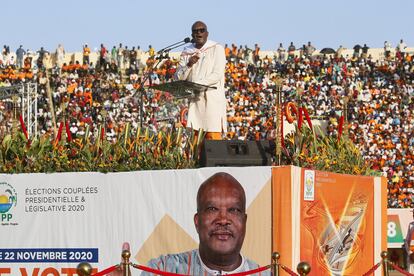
[
  {"x": 281, "y": 53},
  {"x": 120, "y": 56},
  {"x": 309, "y": 49},
  {"x": 102, "y": 56},
  {"x": 151, "y": 51},
  {"x": 60, "y": 55},
  {"x": 291, "y": 51},
  {"x": 86, "y": 53},
  {"x": 125, "y": 53},
  {"x": 139, "y": 55},
  {"x": 365, "y": 51},
  {"x": 339, "y": 51},
  {"x": 20, "y": 52},
  {"x": 401, "y": 47},
  {"x": 256, "y": 54},
  {"x": 40, "y": 59},
  {"x": 132, "y": 56},
  {"x": 5, "y": 53},
  {"x": 387, "y": 49},
  {"x": 114, "y": 54}
]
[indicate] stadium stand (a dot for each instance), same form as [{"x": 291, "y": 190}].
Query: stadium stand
[{"x": 376, "y": 89}]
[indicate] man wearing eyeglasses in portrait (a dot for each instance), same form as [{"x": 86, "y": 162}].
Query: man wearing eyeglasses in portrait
[{"x": 204, "y": 62}]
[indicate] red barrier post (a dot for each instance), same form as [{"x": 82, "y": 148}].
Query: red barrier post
[{"x": 384, "y": 257}]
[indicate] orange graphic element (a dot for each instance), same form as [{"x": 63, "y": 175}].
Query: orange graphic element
[
  {"x": 183, "y": 116},
  {"x": 282, "y": 215},
  {"x": 291, "y": 112},
  {"x": 333, "y": 230},
  {"x": 338, "y": 225}
]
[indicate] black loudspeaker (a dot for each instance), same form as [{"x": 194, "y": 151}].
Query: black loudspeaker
[{"x": 236, "y": 153}]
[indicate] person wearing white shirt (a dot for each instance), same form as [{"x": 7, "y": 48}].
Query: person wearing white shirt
[
  {"x": 401, "y": 46},
  {"x": 281, "y": 53},
  {"x": 60, "y": 55},
  {"x": 387, "y": 48},
  {"x": 204, "y": 62}
]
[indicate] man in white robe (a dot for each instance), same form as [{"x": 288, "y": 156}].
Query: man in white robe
[{"x": 204, "y": 62}]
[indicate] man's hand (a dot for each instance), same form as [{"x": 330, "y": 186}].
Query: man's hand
[
  {"x": 193, "y": 60},
  {"x": 119, "y": 271}
]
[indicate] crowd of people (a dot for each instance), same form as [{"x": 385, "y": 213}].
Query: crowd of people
[{"x": 376, "y": 95}]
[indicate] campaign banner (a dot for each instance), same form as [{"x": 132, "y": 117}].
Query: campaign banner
[
  {"x": 397, "y": 226},
  {"x": 335, "y": 222},
  {"x": 49, "y": 223}
]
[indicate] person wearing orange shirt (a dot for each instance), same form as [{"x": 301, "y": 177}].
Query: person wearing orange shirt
[
  {"x": 86, "y": 53},
  {"x": 227, "y": 51},
  {"x": 71, "y": 87},
  {"x": 88, "y": 96}
]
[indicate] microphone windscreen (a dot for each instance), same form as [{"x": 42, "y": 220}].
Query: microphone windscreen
[{"x": 187, "y": 39}]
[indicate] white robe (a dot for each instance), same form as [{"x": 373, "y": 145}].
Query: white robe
[{"x": 207, "y": 112}]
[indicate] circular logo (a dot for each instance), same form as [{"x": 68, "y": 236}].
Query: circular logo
[{"x": 8, "y": 197}]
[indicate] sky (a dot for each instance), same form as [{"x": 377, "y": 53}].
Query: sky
[{"x": 326, "y": 23}]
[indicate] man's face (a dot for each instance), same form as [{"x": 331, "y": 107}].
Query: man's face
[
  {"x": 221, "y": 219},
  {"x": 199, "y": 33}
]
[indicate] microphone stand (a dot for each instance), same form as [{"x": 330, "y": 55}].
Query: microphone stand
[
  {"x": 162, "y": 54},
  {"x": 174, "y": 45}
]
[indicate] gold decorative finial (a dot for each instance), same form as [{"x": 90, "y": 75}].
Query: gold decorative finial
[
  {"x": 103, "y": 113},
  {"x": 126, "y": 254},
  {"x": 84, "y": 269},
  {"x": 303, "y": 268},
  {"x": 275, "y": 256},
  {"x": 278, "y": 82}
]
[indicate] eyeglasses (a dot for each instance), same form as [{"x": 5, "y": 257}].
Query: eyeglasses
[{"x": 201, "y": 30}]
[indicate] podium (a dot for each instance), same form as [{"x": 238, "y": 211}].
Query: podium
[{"x": 183, "y": 89}]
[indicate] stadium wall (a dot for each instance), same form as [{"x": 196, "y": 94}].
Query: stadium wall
[{"x": 376, "y": 53}]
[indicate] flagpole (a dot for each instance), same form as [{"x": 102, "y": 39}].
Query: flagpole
[{"x": 279, "y": 119}]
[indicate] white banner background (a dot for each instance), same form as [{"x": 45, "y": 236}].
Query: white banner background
[{"x": 117, "y": 207}]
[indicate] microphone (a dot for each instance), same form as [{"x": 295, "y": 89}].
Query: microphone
[
  {"x": 175, "y": 45},
  {"x": 192, "y": 40}
]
